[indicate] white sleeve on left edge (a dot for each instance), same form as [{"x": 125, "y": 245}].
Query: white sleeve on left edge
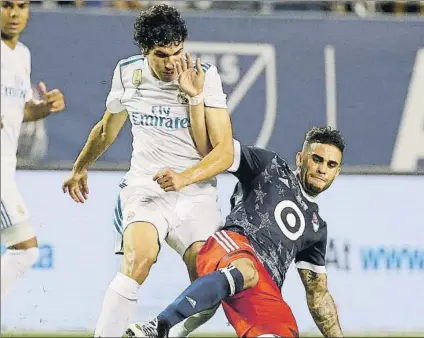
[
  {"x": 113, "y": 100},
  {"x": 214, "y": 95}
]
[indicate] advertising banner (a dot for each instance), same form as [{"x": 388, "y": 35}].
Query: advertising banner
[{"x": 375, "y": 256}]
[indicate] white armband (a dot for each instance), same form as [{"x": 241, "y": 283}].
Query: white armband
[{"x": 196, "y": 100}]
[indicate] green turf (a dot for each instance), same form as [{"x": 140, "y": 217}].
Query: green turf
[{"x": 73, "y": 334}]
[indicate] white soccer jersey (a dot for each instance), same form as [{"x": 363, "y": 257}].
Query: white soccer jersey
[
  {"x": 159, "y": 115},
  {"x": 15, "y": 92}
]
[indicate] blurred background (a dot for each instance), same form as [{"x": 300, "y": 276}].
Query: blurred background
[{"x": 285, "y": 66}]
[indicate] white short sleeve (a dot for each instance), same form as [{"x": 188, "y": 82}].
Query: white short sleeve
[
  {"x": 237, "y": 157},
  {"x": 214, "y": 95},
  {"x": 113, "y": 100},
  {"x": 28, "y": 91}
]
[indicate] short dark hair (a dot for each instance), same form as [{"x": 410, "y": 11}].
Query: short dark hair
[
  {"x": 160, "y": 25},
  {"x": 325, "y": 135}
]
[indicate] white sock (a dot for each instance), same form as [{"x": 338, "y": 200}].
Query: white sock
[
  {"x": 14, "y": 263},
  {"x": 119, "y": 306},
  {"x": 187, "y": 326}
]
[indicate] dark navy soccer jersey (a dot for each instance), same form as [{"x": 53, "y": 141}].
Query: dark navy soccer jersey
[{"x": 270, "y": 208}]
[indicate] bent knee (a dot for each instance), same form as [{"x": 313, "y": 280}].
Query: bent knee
[
  {"x": 190, "y": 255},
  {"x": 141, "y": 248},
  {"x": 249, "y": 272},
  {"x": 190, "y": 259},
  {"x": 137, "y": 263}
]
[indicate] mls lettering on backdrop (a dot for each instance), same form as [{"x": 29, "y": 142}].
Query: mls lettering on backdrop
[
  {"x": 409, "y": 147},
  {"x": 301, "y": 76},
  {"x": 226, "y": 56}
]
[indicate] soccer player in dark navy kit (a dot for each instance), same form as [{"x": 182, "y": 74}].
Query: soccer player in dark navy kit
[{"x": 274, "y": 220}]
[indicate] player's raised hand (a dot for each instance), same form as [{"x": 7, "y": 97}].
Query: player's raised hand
[
  {"x": 169, "y": 180},
  {"x": 53, "y": 99},
  {"x": 190, "y": 79},
  {"x": 77, "y": 187}
]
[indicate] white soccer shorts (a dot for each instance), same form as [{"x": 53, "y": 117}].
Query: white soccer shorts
[
  {"x": 13, "y": 208},
  {"x": 180, "y": 218},
  {"x": 15, "y": 225}
]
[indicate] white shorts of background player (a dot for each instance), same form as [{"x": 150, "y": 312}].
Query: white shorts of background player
[{"x": 15, "y": 224}]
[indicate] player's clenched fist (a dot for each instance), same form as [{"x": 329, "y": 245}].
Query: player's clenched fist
[
  {"x": 53, "y": 99},
  {"x": 77, "y": 187},
  {"x": 169, "y": 180}
]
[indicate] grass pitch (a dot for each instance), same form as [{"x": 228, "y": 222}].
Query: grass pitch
[{"x": 73, "y": 334}]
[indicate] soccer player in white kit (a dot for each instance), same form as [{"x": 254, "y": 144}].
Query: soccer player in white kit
[
  {"x": 146, "y": 89},
  {"x": 17, "y": 105}
]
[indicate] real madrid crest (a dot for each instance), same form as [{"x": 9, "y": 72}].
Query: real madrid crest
[
  {"x": 137, "y": 77},
  {"x": 182, "y": 96}
]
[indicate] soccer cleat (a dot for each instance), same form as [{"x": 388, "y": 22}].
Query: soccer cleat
[{"x": 156, "y": 328}]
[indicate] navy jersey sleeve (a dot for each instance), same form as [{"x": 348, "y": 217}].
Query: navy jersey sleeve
[
  {"x": 313, "y": 258},
  {"x": 249, "y": 161}
]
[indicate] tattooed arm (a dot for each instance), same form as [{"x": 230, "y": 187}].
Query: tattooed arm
[{"x": 320, "y": 303}]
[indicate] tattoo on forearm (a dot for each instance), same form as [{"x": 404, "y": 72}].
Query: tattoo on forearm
[
  {"x": 321, "y": 304},
  {"x": 324, "y": 313},
  {"x": 312, "y": 277}
]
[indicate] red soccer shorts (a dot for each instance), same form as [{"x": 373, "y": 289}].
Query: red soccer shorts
[{"x": 257, "y": 311}]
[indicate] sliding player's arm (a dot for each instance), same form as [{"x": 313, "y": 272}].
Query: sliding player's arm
[
  {"x": 320, "y": 303},
  {"x": 218, "y": 130},
  {"x": 192, "y": 81},
  {"x": 311, "y": 267},
  {"x": 198, "y": 129},
  {"x": 208, "y": 119},
  {"x": 101, "y": 137},
  {"x": 219, "y": 159}
]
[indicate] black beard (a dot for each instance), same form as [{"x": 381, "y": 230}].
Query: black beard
[{"x": 309, "y": 188}]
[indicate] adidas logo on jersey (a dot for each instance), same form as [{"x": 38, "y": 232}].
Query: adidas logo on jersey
[
  {"x": 191, "y": 301},
  {"x": 137, "y": 93}
]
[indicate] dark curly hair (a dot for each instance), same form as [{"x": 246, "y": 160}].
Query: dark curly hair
[
  {"x": 160, "y": 25},
  {"x": 325, "y": 135}
]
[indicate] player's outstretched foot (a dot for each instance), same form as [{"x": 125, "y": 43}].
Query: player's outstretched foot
[{"x": 156, "y": 328}]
